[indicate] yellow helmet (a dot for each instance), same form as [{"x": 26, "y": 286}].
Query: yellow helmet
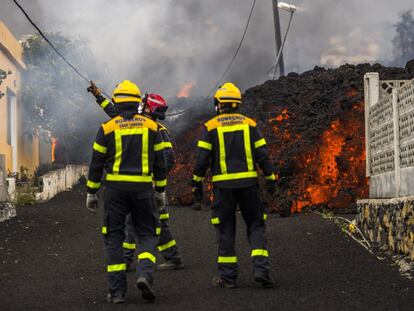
[
  {"x": 228, "y": 93},
  {"x": 126, "y": 91}
]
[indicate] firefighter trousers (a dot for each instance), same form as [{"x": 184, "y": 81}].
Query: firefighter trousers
[
  {"x": 167, "y": 244},
  {"x": 224, "y": 219},
  {"x": 118, "y": 204}
]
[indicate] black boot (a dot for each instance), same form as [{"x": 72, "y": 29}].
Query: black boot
[
  {"x": 115, "y": 299},
  {"x": 171, "y": 265},
  {"x": 146, "y": 291},
  {"x": 265, "y": 281},
  {"x": 219, "y": 282}
]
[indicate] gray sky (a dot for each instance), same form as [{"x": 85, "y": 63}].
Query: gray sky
[{"x": 163, "y": 44}]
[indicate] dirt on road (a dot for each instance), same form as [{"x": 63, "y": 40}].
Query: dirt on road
[{"x": 52, "y": 258}]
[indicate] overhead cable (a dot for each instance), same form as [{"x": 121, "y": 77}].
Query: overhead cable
[
  {"x": 52, "y": 45},
  {"x": 237, "y": 50},
  {"x": 231, "y": 61}
]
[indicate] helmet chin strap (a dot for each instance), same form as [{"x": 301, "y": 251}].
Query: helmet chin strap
[{"x": 140, "y": 108}]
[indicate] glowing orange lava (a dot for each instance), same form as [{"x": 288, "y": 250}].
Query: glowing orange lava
[
  {"x": 325, "y": 185},
  {"x": 185, "y": 90},
  {"x": 54, "y": 143},
  {"x": 283, "y": 116}
]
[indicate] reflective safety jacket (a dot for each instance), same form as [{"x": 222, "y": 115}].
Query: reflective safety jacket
[
  {"x": 233, "y": 147},
  {"x": 131, "y": 151},
  {"x": 112, "y": 112}
]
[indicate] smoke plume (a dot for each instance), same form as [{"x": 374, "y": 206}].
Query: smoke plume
[{"x": 165, "y": 44}]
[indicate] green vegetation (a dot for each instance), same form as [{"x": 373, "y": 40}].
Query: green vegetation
[
  {"x": 55, "y": 98},
  {"x": 3, "y": 76}
]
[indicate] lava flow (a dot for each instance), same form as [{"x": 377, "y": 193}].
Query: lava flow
[{"x": 315, "y": 130}]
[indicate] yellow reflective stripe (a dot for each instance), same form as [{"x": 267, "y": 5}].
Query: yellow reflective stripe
[
  {"x": 264, "y": 217},
  {"x": 158, "y": 231},
  {"x": 93, "y": 185},
  {"x": 105, "y": 103},
  {"x": 164, "y": 216},
  {"x": 161, "y": 183},
  {"x": 128, "y": 245},
  {"x": 271, "y": 177},
  {"x": 247, "y": 148},
  {"x": 234, "y": 128},
  {"x": 260, "y": 252},
  {"x": 215, "y": 221},
  {"x": 168, "y": 144},
  {"x": 162, "y": 146},
  {"x": 104, "y": 230},
  {"x": 225, "y": 259},
  {"x": 234, "y": 176},
  {"x": 148, "y": 256},
  {"x": 260, "y": 143},
  {"x": 167, "y": 245},
  {"x": 99, "y": 148},
  {"x": 205, "y": 145},
  {"x": 118, "y": 152},
  {"x": 198, "y": 178},
  {"x": 158, "y": 147},
  {"x": 118, "y": 147},
  {"x": 132, "y": 131},
  {"x": 130, "y": 178},
  {"x": 145, "y": 157},
  {"x": 116, "y": 268},
  {"x": 222, "y": 148}
]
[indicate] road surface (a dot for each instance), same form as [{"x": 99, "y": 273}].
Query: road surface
[{"x": 52, "y": 258}]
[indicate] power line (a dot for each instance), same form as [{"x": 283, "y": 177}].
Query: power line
[
  {"x": 231, "y": 62},
  {"x": 52, "y": 45},
  {"x": 237, "y": 50},
  {"x": 274, "y": 67},
  {"x": 88, "y": 80}
]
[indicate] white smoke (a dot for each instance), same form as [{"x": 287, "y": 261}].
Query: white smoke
[
  {"x": 355, "y": 48},
  {"x": 164, "y": 44}
]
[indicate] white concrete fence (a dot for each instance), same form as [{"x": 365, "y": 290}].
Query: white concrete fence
[
  {"x": 389, "y": 131},
  {"x": 60, "y": 180}
]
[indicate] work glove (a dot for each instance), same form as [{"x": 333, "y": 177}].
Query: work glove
[
  {"x": 197, "y": 193},
  {"x": 271, "y": 188},
  {"x": 160, "y": 200},
  {"x": 92, "y": 202},
  {"x": 94, "y": 90}
]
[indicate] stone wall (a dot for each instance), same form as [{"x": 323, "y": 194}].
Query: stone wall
[{"x": 389, "y": 222}]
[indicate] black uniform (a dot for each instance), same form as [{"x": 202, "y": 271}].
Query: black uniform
[
  {"x": 167, "y": 244},
  {"x": 129, "y": 148},
  {"x": 232, "y": 145}
]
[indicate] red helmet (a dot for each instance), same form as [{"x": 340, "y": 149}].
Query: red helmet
[{"x": 156, "y": 104}]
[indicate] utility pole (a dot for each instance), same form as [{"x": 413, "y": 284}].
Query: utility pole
[{"x": 278, "y": 37}]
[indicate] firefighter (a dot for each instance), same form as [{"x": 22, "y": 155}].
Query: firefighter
[
  {"x": 153, "y": 106},
  {"x": 130, "y": 149},
  {"x": 233, "y": 147}
]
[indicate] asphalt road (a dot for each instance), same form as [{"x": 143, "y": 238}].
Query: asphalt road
[{"x": 52, "y": 258}]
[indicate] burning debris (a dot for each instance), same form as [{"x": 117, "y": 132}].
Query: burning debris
[{"x": 314, "y": 126}]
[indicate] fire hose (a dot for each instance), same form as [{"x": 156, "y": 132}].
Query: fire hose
[
  {"x": 350, "y": 228},
  {"x": 81, "y": 75}
]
